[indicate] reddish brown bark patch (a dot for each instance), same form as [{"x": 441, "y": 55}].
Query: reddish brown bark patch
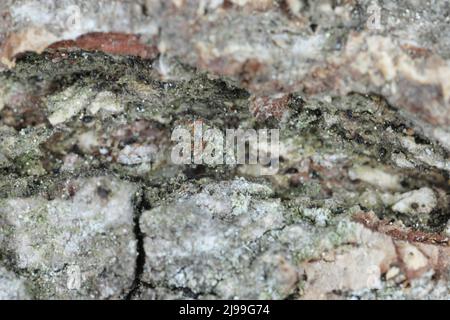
[
  {"x": 416, "y": 52},
  {"x": 266, "y": 107},
  {"x": 371, "y": 221},
  {"x": 110, "y": 42}
]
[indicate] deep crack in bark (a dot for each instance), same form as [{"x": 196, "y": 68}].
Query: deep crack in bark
[{"x": 140, "y": 206}]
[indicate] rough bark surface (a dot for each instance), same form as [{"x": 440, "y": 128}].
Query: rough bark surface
[{"x": 92, "y": 207}]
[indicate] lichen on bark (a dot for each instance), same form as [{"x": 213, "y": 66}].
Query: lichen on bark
[{"x": 92, "y": 207}]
